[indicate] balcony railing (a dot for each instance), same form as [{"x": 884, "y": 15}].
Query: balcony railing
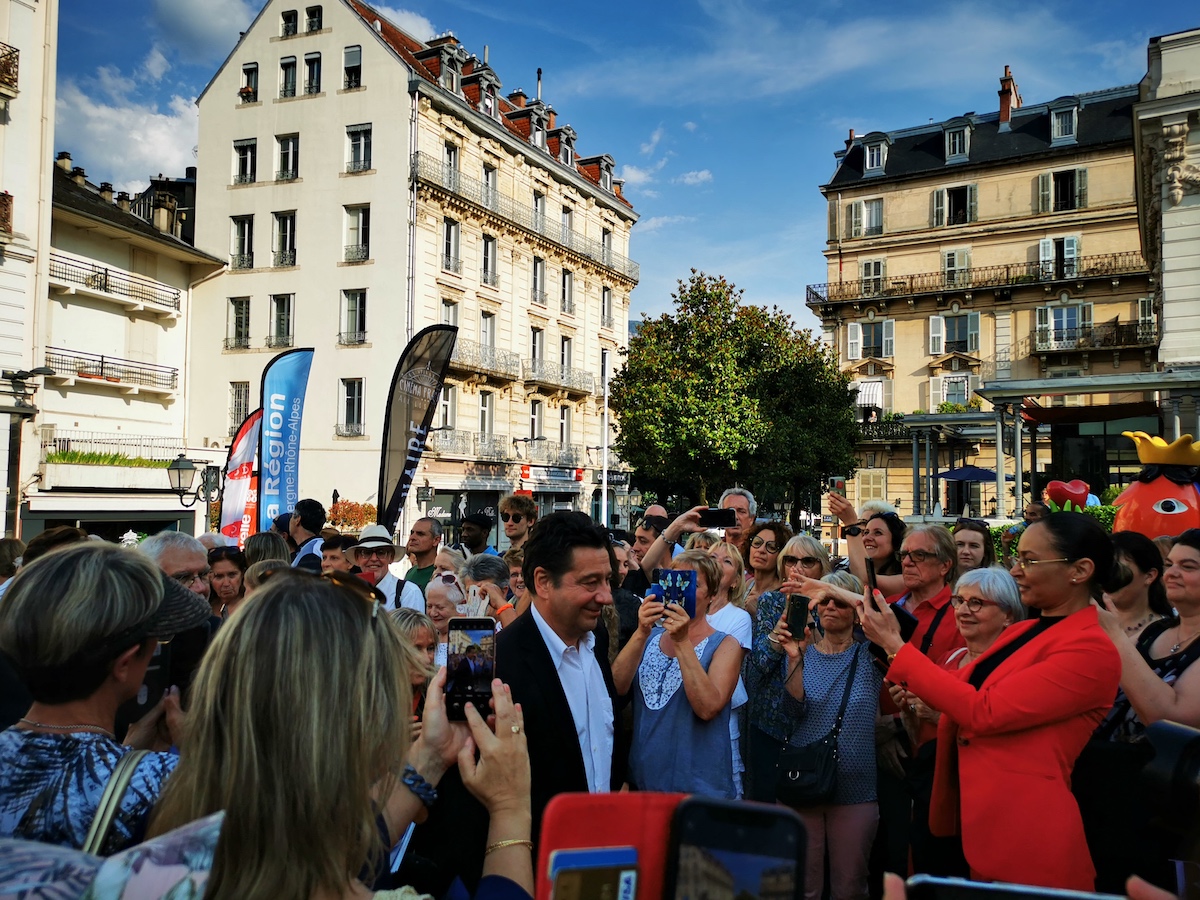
[
  {"x": 607, "y": 322},
  {"x": 284, "y": 258},
  {"x": 358, "y": 165},
  {"x": 491, "y": 446},
  {"x": 10, "y": 58},
  {"x": 451, "y": 441},
  {"x": 347, "y": 338},
  {"x": 538, "y": 297},
  {"x": 288, "y": 90},
  {"x": 1015, "y": 274},
  {"x": 111, "y": 281},
  {"x": 1104, "y": 336},
  {"x": 957, "y": 346},
  {"x": 350, "y": 82},
  {"x": 248, "y": 94},
  {"x": 487, "y": 276},
  {"x": 885, "y": 431},
  {"x": 349, "y": 429},
  {"x": 110, "y": 368},
  {"x": 289, "y": 29},
  {"x": 478, "y": 357},
  {"x": 6, "y": 213},
  {"x": 238, "y": 342},
  {"x": 557, "y": 375},
  {"x": 357, "y": 253},
  {"x": 567, "y": 305},
  {"x": 145, "y": 446},
  {"x": 554, "y": 453},
  {"x": 312, "y": 86},
  {"x": 241, "y": 261},
  {"x": 314, "y": 23},
  {"x": 279, "y": 340},
  {"x": 287, "y": 175},
  {"x": 433, "y": 171},
  {"x": 243, "y": 178}
]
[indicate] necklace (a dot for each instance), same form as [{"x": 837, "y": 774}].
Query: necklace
[
  {"x": 1182, "y": 641},
  {"x": 1142, "y": 623},
  {"x": 96, "y": 728}
]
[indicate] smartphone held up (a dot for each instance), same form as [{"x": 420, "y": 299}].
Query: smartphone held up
[{"x": 470, "y": 665}]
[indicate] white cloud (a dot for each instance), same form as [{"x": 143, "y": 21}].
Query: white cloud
[
  {"x": 655, "y": 138},
  {"x": 654, "y": 223},
  {"x": 412, "y": 23},
  {"x": 636, "y": 176},
  {"x": 110, "y": 82},
  {"x": 203, "y": 32},
  {"x": 690, "y": 126},
  {"x": 701, "y": 176},
  {"x": 647, "y": 192},
  {"x": 154, "y": 66},
  {"x": 124, "y": 141}
]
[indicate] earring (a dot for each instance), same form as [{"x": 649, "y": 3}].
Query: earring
[{"x": 1072, "y": 581}]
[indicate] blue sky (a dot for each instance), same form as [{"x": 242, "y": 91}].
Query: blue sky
[{"x": 723, "y": 115}]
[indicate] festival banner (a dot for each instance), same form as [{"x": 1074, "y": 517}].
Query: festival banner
[
  {"x": 413, "y": 397},
  {"x": 284, "y": 382},
  {"x": 238, "y": 500}
]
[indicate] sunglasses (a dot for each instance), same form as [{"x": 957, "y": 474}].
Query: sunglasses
[
  {"x": 833, "y": 601},
  {"x": 807, "y": 561},
  {"x": 511, "y": 517},
  {"x": 368, "y": 552},
  {"x": 217, "y": 553},
  {"x": 758, "y": 542}
]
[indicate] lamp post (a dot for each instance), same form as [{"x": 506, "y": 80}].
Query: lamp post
[
  {"x": 22, "y": 408},
  {"x": 526, "y": 440},
  {"x": 182, "y": 475}
]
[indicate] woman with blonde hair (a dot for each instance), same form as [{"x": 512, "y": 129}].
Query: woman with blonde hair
[
  {"x": 313, "y": 764},
  {"x": 266, "y": 545},
  {"x": 421, "y": 633}
]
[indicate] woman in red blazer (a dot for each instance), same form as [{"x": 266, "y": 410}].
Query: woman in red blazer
[{"x": 1015, "y": 719}]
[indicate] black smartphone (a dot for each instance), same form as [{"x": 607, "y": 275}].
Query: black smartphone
[
  {"x": 797, "y": 615},
  {"x": 727, "y": 848},
  {"x": 908, "y": 627},
  {"x": 872, "y": 583},
  {"x": 470, "y": 665},
  {"x": 929, "y": 887},
  {"x": 718, "y": 518}
]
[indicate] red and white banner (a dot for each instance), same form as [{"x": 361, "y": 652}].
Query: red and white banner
[{"x": 239, "y": 503}]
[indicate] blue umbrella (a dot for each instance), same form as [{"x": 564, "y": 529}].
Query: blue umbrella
[{"x": 971, "y": 473}]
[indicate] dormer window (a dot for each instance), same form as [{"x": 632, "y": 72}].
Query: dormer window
[
  {"x": 487, "y": 101},
  {"x": 1063, "y": 125},
  {"x": 314, "y": 19},
  {"x": 956, "y": 144},
  {"x": 606, "y": 178},
  {"x": 875, "y": 156},
  {"x": 449, "y": 77},
  {"x": 566, "y": 154},
  {"x": 537, "y": 133}
]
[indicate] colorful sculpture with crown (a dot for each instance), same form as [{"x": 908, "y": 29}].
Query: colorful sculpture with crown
[{"x": 1165, "y": 498}]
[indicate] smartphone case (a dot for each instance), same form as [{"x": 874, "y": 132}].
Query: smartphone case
[{"x": 582, "y": 821}]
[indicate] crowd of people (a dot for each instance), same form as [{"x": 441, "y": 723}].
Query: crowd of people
[{"x": 286, "y": 701}]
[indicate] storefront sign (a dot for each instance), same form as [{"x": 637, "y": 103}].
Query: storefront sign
[
  {"x": 615, "y": 479},
  {"x": 541, "y": 474},
  {"x": 424, "y": 494}
]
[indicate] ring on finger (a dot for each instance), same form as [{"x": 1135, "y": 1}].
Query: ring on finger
[{"x": 516, "y": 729}]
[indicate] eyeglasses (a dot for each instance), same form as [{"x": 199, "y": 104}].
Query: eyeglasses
[
  {"x": 918, "y": 556},
  {"x": 807, "y": 561},
  {"x": 1025, "y": 562},
  {"x": 974, "y": 604},
  {"x": 511, "y": 517},
  {"x": 368, "y": 552},
  {"x": 758, "y": 542},
  {"x": 187, "y": 579}
]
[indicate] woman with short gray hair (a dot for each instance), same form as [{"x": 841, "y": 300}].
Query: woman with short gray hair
[{"x": 80, "y": 626}]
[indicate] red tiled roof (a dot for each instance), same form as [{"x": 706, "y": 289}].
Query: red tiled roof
[{"x": 407, "y": 47}]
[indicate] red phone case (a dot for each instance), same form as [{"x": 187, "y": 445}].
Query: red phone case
[{"x": 580, "y": 821}]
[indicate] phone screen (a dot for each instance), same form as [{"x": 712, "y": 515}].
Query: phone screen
[
  {"x": 718, "y": 518},
  {"x": 470, "y": 665},
  {"x": 723, "y": 849}
]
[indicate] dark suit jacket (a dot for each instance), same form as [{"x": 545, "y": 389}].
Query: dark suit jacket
[{"x": 453, "y": 840}]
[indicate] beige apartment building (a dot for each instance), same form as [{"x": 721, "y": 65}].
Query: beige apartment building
[
  {"x": 986, "y": 248},
  {"x": 365, "y": 184}
]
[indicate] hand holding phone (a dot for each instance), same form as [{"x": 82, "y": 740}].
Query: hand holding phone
[
  {"x": 797, "y": 615},
  {"x": 470, "y": 665}
]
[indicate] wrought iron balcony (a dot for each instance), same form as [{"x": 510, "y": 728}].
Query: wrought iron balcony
[
  {"x": 289, "y": 28},
  {"x": 350, "y": 82},
  {"x": 279, "y": 340},
  {"x": 10, "y": 58},
  {"x": 607, "y": 322},
  {"x": 471, "y": 356},
  {"x": 312, "y": 86},
  {"x": 1012, "y": 275},
  {"x": 314, "y": 23},
  {"x": 433, "y": 171},
  {"x": 349, "y": 429},
  {"x": 554, "y": 453},
  {"x": 567, "y": 305},
  {"x": 538, "y": 297},
  {"x": 1112, "y": 335},
  {"x": 347, "y": 338},
  {"x": 957, "y": 346},
  {"x": 872, "y": 351},
  {"x": 451, "y": 441},
  {"x": 70, "y": 364},
  {"x": 288, "y": 90},
  {"x": 357, "y": 252},
  {"x": 451, "y": 264},
  {"x": 487, "y": 276},
  {"x": 284, "y": 259},
  {"x": 286, "y": 175},
  {"x": 133, "y": 288},
  {"x": 885, "y": 431},
  {"x": 358, "y": 165},
  {"x": 238, "y": 342},
  {"x": 243, "y": 178},
  {"x": 144, "y": 446},
  {"x": 492, "y": 446},
  {"x": 241, "y": 261},
  {"x": 248, "y": 94},
  {"x": 552, "y": 374}
]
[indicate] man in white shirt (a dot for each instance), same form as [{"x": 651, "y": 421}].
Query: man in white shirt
[{"x": 374, "y": 553}]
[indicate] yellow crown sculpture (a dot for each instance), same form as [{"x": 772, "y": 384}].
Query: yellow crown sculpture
[{"x": 1153, "y": 450}]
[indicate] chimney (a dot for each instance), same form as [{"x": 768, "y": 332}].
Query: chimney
[
  {"x": 553, "y": 119},
  {"x": 189, "y": 173},
  {"x": 63, "y": 161},
  {"x": 79, "y": 176},
  {"x": 850, "y": 140},
  {"x": 123, "y": 201},
  {"x": 1010, "y": 99},
  {"x": 539, "y": 88},
  {"x": 517, "y": 98},
  {"x": 106, "y": 191},
  {"x": 164, "y": 213}
]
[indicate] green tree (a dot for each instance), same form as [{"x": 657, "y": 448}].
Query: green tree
[{"x": 721, "y": 393}]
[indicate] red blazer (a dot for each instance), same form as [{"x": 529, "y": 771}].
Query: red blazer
[{"x": 1005, "y": 752}]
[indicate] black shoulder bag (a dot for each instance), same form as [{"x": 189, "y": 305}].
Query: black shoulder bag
[{"x": 807, "y": 776}]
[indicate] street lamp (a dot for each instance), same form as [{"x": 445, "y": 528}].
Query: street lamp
[
  {"x": 527, "y": 440},
  {"x": 21, "y": 410},
  {"x": 182, "y": 473}
]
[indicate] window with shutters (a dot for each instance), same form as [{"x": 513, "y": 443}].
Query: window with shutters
[
  {"x": 962, "y": 333},
  {"x": 956, "y": 205},
  {"x": 954, "y": 389},
  {"x": 245, "y": 161},
  {"x": 872, "y": 485},
  {"x": 872, "y": 338},
  {"x": 866, "y": 218},
  {"x": 956, "y": 265},
  {"x": 1059, "y": 257},
  {"x": 1062, "y": 126},
  {"x": 1062, "y": 191},
  {"x": 874, "y": 399},
  {"x": 1062, "y": 326},
  {"x": 873, "y": 274}
]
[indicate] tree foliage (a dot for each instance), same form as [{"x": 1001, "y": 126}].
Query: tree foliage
[{"x": 720, "y": 392}]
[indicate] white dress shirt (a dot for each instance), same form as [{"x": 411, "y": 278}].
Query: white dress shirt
[
  {"x": 410, "y": 595},
  {"x": 587, "y": 695}
]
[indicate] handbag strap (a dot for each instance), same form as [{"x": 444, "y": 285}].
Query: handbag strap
[
  {"x": 837, "y": 725},
  {"x": 927, "y": 640},
  {"x": 110, "y": 801}
]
